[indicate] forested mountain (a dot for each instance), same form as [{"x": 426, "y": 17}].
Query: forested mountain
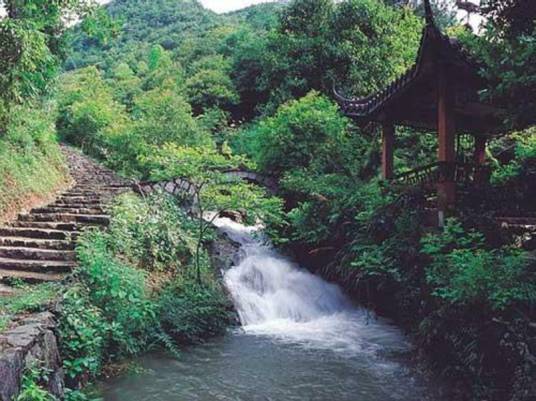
[{"x": 172, "y": 24}]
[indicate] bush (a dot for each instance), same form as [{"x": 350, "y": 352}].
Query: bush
[
  {"x": 31, "y": 389},
  {"x": 303, "y": 133},
  {"x": 83, "y": 333},
  {"x": 464, "y": 271},
  {"x": 119, "y": 291},
  {"x": 110, "y": 314},
  {"x": 523, "y": 160},
  {"x": 153, "y": 233},
  {"x": 191, "y": 313},
  {"x": 86, "y": 107},
  {"x": 106, "y": 315}
]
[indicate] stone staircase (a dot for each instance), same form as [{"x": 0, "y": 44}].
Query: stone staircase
[{"x": 39, "y": 246}]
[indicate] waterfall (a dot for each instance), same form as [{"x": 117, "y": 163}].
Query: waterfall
[
  {"x": 301, "y": 339},
  {"x": 274, "y": 297}
]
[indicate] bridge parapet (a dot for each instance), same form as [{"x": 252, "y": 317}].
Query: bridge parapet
[
  {"x": 177, "y": 187},
  {"x": 182, "y": 187}
]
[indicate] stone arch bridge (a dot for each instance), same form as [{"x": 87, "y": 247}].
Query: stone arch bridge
[{"x": 181, "y": 187}]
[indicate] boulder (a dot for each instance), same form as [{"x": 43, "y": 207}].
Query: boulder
[{"x": 31, "y": 343}]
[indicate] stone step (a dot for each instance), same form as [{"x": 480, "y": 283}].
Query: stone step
[
  {"x": 36, "y": 254},
  {"x": 81, "y": 192},
  {"x": 518, "y": 225},
  {"x": 97, "y": 176},
  {"x": 30, "y": 277},
  {"x": 108, "y": 183},
  {"x": 37, "y": 243},
  {"x": 39, "y": 233},
  {"x": 86, "y": 203},
  {"x": 89, "y": 190},
  {"x": 38, "y": 266},
  {"x": 71, "y": 196},
  {"x": 6, "y": 291},
  {"x": 119, "y": 186},
  {"x": 98, "y": 219},
  {"x": 79, "y": 199},
  {"x": 67, "y": 209},
  {"x": 92, "y": 190},
  {"x": 75, "y": 205},
  {"x": 47, "y": 225}
]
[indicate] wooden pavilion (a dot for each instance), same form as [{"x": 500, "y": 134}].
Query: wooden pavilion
[{"x": 441, "y": 92}]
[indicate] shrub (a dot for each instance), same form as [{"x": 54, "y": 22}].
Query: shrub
[
  {"x": 86, "y": 107},
  {"x": 191, "y": 313},
  {"x": 464, "y": 271},
  {"x": 31, "y": 389},
  {"x": 523, "y": 160},
  {"x": 153, "y": 233},
  {"x": 304, "y": 132},
  {"x": 84, "y": 333},
  {"x": 118, "y": 290},
  {"x": 106, "y": 315}
]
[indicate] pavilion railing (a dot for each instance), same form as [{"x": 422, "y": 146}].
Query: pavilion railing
[{"x": 460, "y": 173}]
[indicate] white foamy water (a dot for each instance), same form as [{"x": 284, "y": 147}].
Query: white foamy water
[{"x": 276, "y": 298}]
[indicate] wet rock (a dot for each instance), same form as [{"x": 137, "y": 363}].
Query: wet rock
[
  {"x": 224, "y": 252},
  {"x": 31, "y": 343},
  {"x": 11, "y": 370},
  {"x": 233, "y": 215}
]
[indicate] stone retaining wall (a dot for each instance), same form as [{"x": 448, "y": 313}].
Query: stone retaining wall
[{"x": 30, "y": 343}]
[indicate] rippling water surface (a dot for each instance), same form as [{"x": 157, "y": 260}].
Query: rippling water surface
[{"x": 301, "y": 339}]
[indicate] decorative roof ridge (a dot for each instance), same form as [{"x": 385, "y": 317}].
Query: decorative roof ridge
[
  {"x": 366, "y": 105},
  {"x": 429, "y": 30},
  {"x": 429, "y": 14}
]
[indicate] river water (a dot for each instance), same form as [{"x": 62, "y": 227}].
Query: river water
[{"x": 301, "y": 339}]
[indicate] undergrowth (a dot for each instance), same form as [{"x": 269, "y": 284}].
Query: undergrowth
[
  {"x": 115, "y": 311},
  {"x": 26, "y": 299}
]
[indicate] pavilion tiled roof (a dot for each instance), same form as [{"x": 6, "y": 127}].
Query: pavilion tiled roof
[{"x": 432, "y": 40}]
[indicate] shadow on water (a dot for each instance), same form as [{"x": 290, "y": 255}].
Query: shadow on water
[{"x": 301, "y": 339}]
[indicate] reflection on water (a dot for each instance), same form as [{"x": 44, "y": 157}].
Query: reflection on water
[{"x": 301, "y": 339}]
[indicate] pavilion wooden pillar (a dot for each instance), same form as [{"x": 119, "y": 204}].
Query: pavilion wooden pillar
[
  {"x": 446, "y": 187},
  {"x": 388, "y": 139},
  {"x": 479, "y": 156}
]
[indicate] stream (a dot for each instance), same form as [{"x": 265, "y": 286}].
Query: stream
[{"x": 301, "y": 339}]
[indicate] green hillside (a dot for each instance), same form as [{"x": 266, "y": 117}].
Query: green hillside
[{"x": 169, "y": 23}]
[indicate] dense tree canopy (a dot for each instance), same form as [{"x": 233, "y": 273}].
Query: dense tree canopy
[{"x": 31, "y": 46}]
